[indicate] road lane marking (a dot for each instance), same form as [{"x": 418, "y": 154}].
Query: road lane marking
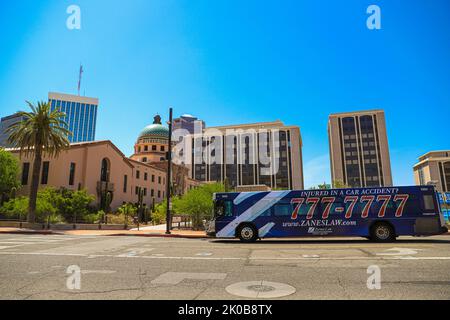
[
  {"x": 132, "y": 252},
  {"x": 98, "y": 271},
  {"x": 204, "y": 254},
  {"x": 178, "y": 277},
  {"x": 315, "y": 256},
  {"x": 91, "y": 256},
  {"x": 7, "y": 247},
  {"x": 398, "y": 252}
]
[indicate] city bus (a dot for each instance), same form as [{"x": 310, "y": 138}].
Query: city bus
[{"x": 379, "y": 214}]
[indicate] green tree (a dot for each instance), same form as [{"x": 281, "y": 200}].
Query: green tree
[
  {"x": 42, "y": 133},
  {"x": 339, "y": 184},
  {"x": 9, "y": 172},
  {"x": 198, "y": 203}
]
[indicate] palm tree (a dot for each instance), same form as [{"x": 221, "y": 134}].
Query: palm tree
[{"x": 42, "y": 132}]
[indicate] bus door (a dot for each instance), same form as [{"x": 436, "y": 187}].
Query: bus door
[
  {"x": 223, "y": 213},
  {"x": 431, "y": 220}
]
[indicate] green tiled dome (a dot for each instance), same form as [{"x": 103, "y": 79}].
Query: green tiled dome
[{"x": 155, "y": 130}]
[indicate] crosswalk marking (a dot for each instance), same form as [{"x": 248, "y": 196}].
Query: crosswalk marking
[{"x": 32, "y": 240}]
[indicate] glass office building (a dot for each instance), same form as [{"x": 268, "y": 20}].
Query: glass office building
[
  {"x": 81, "y": 115},
  {"x": 5, "y": 123}
]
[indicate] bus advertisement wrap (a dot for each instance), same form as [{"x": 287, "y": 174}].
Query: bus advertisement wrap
[{"x": 376, "y": 213}]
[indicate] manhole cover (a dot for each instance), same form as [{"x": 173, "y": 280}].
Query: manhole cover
[{"x": 260, "y": 289}]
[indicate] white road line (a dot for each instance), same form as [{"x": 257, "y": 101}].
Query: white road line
[
  {"x": 132, "y": 252},
  {"x": 98, "y": 271},
  {"x": 6, "y": 247},
  {"x": 21, "y": 243},
  {"x": 221, "y": 258},
  {"x": 204, "y": 254}
]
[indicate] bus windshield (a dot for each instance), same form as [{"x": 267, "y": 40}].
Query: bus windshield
[{"x": 223, "y": 208}]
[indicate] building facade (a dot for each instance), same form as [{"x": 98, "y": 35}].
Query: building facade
[
  {"x": 434, "y": 168},
  {"x": 359, "y": 152},
  {"x": 260, "y": 154},
  {"x": 100, "y": 167},
  {"x": 81, "y": 115},
  {"x": 150, "y": 150},
  {"x": 5, "y": 123},
  {"x": 189, "y": 123},
  {"x": 152, "y": 143}
]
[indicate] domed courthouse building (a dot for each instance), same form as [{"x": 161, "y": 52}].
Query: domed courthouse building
[
  {"x": 100, "y": 167},
  {"x": 152, "y": 143}
]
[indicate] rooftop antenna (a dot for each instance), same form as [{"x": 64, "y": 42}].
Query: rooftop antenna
[{"x": 79, "y": 78}]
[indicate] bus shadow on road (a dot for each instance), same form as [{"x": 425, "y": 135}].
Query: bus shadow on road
[{"x": 335, "y": 241}]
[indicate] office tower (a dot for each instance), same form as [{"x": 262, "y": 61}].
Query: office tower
[
  {"x": 359, "y": 152},
  {"x": 434, "y": 168},
  {"x": 188, "y": 123},
  {"x": 4, "y": 124},
  {"x": 81, "y": 114},
  {"x": 255, "y": 154}
]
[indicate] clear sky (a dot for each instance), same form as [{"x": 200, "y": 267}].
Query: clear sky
[{"x": 238, "y": 61}]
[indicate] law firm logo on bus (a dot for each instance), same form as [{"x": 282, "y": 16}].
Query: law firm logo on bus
[{"x": 319, "y": 231}]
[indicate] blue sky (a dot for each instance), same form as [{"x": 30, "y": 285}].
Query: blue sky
[{"x": 229, "y": 61}]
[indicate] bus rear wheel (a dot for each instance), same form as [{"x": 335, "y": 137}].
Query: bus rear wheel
[
  {"x": 247, "y": 233},
  {"x": 382, "y": 232}
]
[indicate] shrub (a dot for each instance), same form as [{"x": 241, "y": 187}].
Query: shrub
[
  {"x": 60, "y": 205},
  {"x": 9, "y": 171},
  {"x": 159, "y": 215},
  {"x": 18, "y": 208},
  {"x": 93, "y": 217}
]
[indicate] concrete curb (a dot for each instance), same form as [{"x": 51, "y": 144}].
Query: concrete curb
[
  {"x": 42, "y": 232},
  {"x": 159, "y": 235}
]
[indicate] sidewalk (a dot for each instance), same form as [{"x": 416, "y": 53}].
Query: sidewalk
[{"x": 142, "y": 232}]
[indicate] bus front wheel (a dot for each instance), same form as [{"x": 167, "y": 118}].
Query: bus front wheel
[
  {"x": 247, "y": 233},
  {"x": 382, "y": 232}
]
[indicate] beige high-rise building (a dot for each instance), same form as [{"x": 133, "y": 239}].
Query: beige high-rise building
[
  {"x": 248, "y": 155},
  {"x": 434, "y": 168},
  {"x": 359, "y": 151}
]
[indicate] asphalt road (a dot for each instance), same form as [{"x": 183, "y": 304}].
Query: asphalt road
[{"x": 77, "y": 267}]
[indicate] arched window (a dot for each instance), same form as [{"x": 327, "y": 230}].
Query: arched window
[
  {"x": 144, "y": 159},
  {"x": 104, "y": 174}
]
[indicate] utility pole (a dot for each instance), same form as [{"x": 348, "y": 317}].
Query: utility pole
[
  {"x": 79, "y": 78},
  {"x": 169, "y": 178}
]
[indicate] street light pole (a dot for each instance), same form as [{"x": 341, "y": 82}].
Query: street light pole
[{"x": 168, "y": 177}]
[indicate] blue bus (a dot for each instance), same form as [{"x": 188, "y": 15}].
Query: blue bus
[{"x": 379, "y": 214}]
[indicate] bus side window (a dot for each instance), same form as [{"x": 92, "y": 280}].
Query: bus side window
[
  {"x": 282, "y": 210},
  {"x": 228, "y": 209},
  {"x": 267, "y": 212},
  {"x": 428, "y": 202}
]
